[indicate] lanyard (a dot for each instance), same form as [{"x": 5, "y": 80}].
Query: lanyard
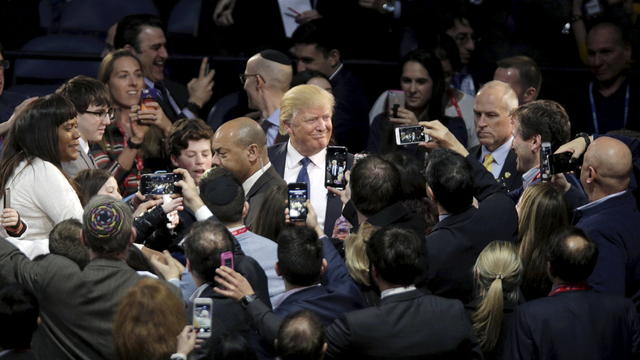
[
  {"x": 594, "y": 115},
  {"x": 237, "y": 232},
  {"x": 454, "y": 102},
  {"x": 565, "y": 288}
]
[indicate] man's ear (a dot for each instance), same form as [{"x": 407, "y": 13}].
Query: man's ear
[
  {"x": 592, "y": 174},
  {"x": 252, "y": 152},
  {"x": 530, "y": 94},
  {"x": 245, "y": 209},
  {"x": 174, "y": 161},
  {"x": 189, "y": 265},
  {"x": 536, "y": 143},
  {"x": 334, "y": 58},
  {"x": 324, "y": 266},
  {"x": 430, "y": 194}
]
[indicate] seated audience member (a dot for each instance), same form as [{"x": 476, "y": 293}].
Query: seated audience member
[
  {"x": 18, "y": 322},
  {"x": 315, "y": 47},
  {"x": 493, "y": 106},
  {"x": 44, "y": 134},
  {"x": 497, "y": 275},
  {"x": 459, "y": 28},
  {"x": 541, "y": 211},
  {"x": 312, "y": 77},
  {"x": 522, "y": 74},
  {"x": 147, "y": 322},
  {"x": 135, "y": 136},
  {"x": 453, "y": 180},
  {"x": 92, "y": 102},
  {"x": 301, "y": 264},
  {"x": 408, "y": 323},
  {"x": 9, "y": 100},
  {"x": 422, "y": 82},
  {"x": 65, "y": 239},
  {"x": 301, "y": 336},
  {"x": 69, "y": 297},
  {"x": 240, "y": 146},
  {"x": 574, "y": 321},
  {"x": 270, "y": 218},
  {"x": 223, "y": 195},
  {"x": 305, "y": 114}
]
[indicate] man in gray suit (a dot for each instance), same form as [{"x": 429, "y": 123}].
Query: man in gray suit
[
  {"x": 93, "y": 104},
  {"x": 240, "y": 146},
  {"x": 77, "y": 306}
]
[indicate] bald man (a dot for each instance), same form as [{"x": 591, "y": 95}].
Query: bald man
[
  {"x": 611, "y": 217},
  {"x": 240, "y": 146},
  {"x": 492, "y": 108},
  {"x": 266, "y": 78}
]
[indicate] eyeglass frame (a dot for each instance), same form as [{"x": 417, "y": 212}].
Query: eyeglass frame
[
  {"x": 5, "y": 64},
  {"x": 111, "y": 113},
  {"x": 243, "y": 77}
]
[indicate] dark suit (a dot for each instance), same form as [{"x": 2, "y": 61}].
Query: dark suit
[
  {"x": 410, "y": 325},
  {"x": 455, "y": 242},
  {"x": 351, "y": 116},
  {"x": 509, "y": 177},
  {"x": 278, "y": 158},
  {"x": 574, "y": 325},
  {"x": 8, "y": 102},
  {"x": 76, "y": 306},
  {"x": 255, "y": 196},
  {"x": 180, "y": 95}
]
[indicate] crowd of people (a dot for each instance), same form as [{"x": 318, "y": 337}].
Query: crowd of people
[{"x": 133, "y": 229}]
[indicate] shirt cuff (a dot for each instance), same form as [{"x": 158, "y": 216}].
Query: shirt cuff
[
  {"x": 203, "y": 213},
  {"x": 188, "y": 113}
]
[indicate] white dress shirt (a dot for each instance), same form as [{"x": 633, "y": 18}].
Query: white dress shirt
[{"x": 499, "y": 157}]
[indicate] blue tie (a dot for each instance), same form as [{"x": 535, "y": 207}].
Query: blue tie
[{"x": 303, "y": 175}]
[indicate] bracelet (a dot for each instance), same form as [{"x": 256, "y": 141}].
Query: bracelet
[
  {"x": 194, "y": 108},
  {"x": 585, "y": 136},
  {"x": 132, "y": 145}
]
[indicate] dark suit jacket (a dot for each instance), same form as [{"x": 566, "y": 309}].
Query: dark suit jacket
[
  {"x": 278, "y": 158},
  {"x": 259, "y": 190},
  {"x": 455, "y": 242},
  {"x": 509, "y": 177},
  {"x": 351, "y": 116},
  {"x": 8, "y": 102},
  {"x": 574, "y": 325},
  {"x": 76, "y": 306},
  {"x": 410, "y": 325},
  {"x": 180, "y": 95}
]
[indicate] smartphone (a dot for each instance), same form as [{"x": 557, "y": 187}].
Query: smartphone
[
  {"x": 7, "y": 198},
  {"x": 335, "y": 167},
  {"x": 226, "y": 259},
  {"x": 148, "y": 95},
  {"x": 297, "y": 194},
  {"x": 592, "y": 8},
  {"x": 545, "y": 161},
  {"x": 395, "y": 100},
  {"x": 202, "y": 317},
  {"x": 159, "y": 183},
  {"x": 410, "y": 135}
]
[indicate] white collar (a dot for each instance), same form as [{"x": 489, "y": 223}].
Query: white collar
[
  {"x": 84, "y": 145},
  {"x": 500, "y": 154},
  {"x": 396, "y": 291},
  {"x": 294, "y": 157},
  {"x": 599, "y": 201},
  {"x": 336, "y": 72},
  {"x": 279, "y": 299},
  {"x": 251, "y": 180}
]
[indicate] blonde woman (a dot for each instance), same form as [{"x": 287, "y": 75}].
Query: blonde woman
[
  {"x": 497, "y": 275},
  {"x": 357, "y": 262}
]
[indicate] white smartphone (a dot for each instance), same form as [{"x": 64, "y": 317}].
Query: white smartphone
[
  {"x": 202, "y": 317},
  {"x": 395, "y": 100},
  {"x": 410, "y": 135}
]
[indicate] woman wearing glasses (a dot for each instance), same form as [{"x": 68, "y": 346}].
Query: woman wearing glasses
[
  {"x": 133, "y": 141},
  {"x": 45, "y": 133}
]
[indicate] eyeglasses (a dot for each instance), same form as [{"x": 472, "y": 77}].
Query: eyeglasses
[
  {"x": 111, "y": 113},
  {"x": 243, "y": 77},
  {"x": 4, "y": 64}
]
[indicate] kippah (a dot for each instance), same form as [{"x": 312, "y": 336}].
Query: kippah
[
  {"x": 104, "y": 220},
  {"x": 276, "y": 56},
  {"x": 221, "y": 190}
]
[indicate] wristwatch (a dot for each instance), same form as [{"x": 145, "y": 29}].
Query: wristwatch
[
  {"x": 586, "y": 138},
  {"x": 194, "y": 108},
  {"x": 248, "y": 299},
  {"x": 132, "y": 145}
]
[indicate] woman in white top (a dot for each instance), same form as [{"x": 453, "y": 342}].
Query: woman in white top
[{"x": 45, "y": 133}]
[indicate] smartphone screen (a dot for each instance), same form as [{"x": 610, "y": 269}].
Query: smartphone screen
[
  {"x": 159, "y": 184},
  {"x": 226, "y": 259},
  {"x": 410, "y": 135},
  {"x": 148, "y": 95},
  {"x": 297, "y": 194},
  {"x": 335, "y": 167},
  {"x": 395, "y": 100},
  {"x": 545, "y": 161},
  {"x": 202, "y": 317}
]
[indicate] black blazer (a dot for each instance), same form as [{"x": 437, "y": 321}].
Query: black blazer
[
  {"x": 574, "y": 325},
  {"x": 410, "y": 325},
  {"x": 455, "y": 242},
  {"x": 259, "y": 190},
  {"x": 278, "y": 158},
  {"x": 509, "y": 177},
  {"x": 180, "y": 95}
]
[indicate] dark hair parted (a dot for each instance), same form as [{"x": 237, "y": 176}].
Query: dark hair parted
[
  {"x": 185, "y": 130},
  {"x": 84, "y": 91},
  {"x": 64, "y": 240},
  {"x": 130, "y": 26},
  {"x": 34, "y": 134},
  {"x": 89, "y": 182},
  {"x": 449, "y": 177},
  {"x": 300, "y": 255},
  {"x": 301, "y": 336},
  {"x": 19, "y": 317},
  {"x": 431, "y": 63},
  {"x": 546, "y": 118},
  {"x": 375, "y": 185},
  {"x": 528, "y": 70},
  {"x": 317, "y": 32},
  {"x": 572, "y": 255},
  {"x": 204, "y": 244},
  {"x": 396, "y": 255}
]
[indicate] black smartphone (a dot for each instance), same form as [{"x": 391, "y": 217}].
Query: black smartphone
[
  {"x": 335, "y": 167},
  {"x": 159, "y": 184},
  {"x": 297, "y": 194},
  {"x": 562, "y": 163}
]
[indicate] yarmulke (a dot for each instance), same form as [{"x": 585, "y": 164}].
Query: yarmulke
[
  {"x": 276, "y": 56},
  {"x": 105, "y": 220},
  {"x": 221, "y": 190}
]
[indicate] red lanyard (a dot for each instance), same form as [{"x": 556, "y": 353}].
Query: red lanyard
[
  {"x": 454, "y": 102},
  {"x": 570, "y": 287},
  {"x": 237, "y": 232}
]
